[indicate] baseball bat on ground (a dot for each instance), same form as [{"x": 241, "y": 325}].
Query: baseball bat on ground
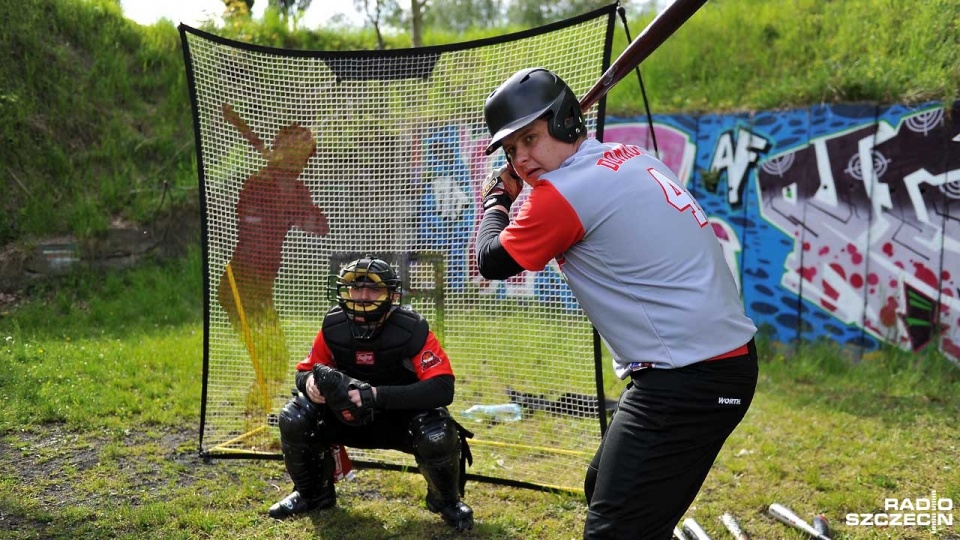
[
  {"x": 660, "y": 28},
  {"x": 693, "y": 530},
  {"x": 784, "y": 515},
  {"x": 733, "y": 526},
  {"x": 820, "y": 524}
]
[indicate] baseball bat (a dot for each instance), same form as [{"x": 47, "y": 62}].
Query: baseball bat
[
  {"x": 693, "y": 530},
  {"x": 232, "y": 116},
  {"x": 733, "y": 526},
  {"x": 784, "y": 515},
  {"x": 248, "y": 340},
  {"x": 820, "y": 524},
  {"x": 659, "y": 29}
]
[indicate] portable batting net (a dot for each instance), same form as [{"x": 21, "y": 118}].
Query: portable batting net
[{"x": 309, "y": 159}]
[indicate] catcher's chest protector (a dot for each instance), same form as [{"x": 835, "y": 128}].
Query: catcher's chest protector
[{"x": 384, "y": 360}]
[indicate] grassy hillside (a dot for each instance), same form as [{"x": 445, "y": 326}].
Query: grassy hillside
[
  {"x": 761, "y": 55},
  {"x": 95, "y": 118}
]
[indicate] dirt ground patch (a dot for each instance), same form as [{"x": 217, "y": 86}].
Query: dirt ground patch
[{"x": 56, "y": 469}]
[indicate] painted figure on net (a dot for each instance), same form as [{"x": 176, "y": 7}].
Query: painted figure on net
[{"x": 271, "y": 202}]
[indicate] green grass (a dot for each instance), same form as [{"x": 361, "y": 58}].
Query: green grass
[{"x": 99, "y": 423}]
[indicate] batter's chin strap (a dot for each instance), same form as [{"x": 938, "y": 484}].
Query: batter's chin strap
[{"x": 466, "y": 458}]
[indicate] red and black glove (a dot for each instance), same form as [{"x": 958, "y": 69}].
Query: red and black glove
[
  {"x": 500, "y": 188},
  {"x": 335, "y": 386}
]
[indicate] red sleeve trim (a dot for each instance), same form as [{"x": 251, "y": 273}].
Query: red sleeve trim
[
  {"x": 319, "y": 354},
  {"x": 432, "y": 360},
  {"x": 546, "y": 226}
]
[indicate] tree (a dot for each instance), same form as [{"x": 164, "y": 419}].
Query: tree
[
  {"x": 238, "y": 8},
  {"x": 416, "y": 22},
  {"x": 288, "y": 8},
  {"x": 377, "y": 12},
  {"x": 461, "y": 15},
  {"x": 532, "y": 13}
]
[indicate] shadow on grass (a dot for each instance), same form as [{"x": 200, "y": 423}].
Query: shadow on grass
[{"x": 339, "y": 523}]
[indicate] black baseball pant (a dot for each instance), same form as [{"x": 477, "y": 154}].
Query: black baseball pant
[{"x": 667, "y": 431}]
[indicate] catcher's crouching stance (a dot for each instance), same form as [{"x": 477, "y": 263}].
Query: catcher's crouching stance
[{"x": 376, "y": 377}]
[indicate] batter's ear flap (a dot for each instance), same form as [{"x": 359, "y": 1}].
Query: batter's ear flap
[{"x": 568, "y": 123}]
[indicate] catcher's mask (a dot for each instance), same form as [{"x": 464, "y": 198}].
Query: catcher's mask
[
  {"x": 530, "y": 94},
  {"x": 366, "y": 289}
]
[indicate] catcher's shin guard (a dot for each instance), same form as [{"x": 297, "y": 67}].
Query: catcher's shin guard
[
  {"x": 307, "y": 459},
  {"x": 437, "y": 446}
]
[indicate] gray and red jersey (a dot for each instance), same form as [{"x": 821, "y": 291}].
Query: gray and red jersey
[{"x": 636, "y": 250}]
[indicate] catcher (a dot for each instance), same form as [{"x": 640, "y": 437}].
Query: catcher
[{"x": 376, "y": 377}]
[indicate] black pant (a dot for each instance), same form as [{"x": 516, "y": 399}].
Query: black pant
[
  {"x": 390, "y": 430},
  {"x": 663, "y": 439}
]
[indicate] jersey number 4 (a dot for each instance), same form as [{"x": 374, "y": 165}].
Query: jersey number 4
[{"x": 678, "y": 197}]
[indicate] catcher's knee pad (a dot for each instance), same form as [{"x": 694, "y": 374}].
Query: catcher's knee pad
[
  {"x": 299, "y": 422},
  {"x": 434, "y": 435}
]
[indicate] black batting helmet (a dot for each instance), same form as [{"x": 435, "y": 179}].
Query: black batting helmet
[
  {"x": 530, "y": 94},
  {"x": 367, "y": 313}
]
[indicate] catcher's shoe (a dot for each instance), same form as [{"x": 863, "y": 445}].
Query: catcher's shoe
[
  {"x": 294, "y": 504},
  {"x": 456, "y": 514}
]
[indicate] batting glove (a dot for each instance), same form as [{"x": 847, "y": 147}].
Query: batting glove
[{"x": 495, "y": 193}]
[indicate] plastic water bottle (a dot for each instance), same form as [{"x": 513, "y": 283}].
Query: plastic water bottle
[{"x": 505, "y": 412}]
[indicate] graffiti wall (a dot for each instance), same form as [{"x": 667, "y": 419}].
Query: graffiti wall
[{"x": 839, "y": 222}]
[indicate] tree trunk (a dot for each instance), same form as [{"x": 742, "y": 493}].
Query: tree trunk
[{"x": 416, "y": 22}]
